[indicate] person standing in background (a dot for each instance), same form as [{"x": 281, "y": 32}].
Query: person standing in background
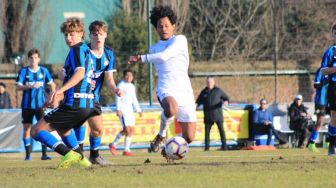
[
  {"x": 212, "y": 98},
  {"x": 5, "y": 101},
  {"x": 32, "y": 80}
]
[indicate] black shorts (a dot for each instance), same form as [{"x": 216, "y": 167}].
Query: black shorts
[
  {"x": 331, "y": 96},
  {"x": 65, "y": 118},
  {"x": 28, "y": 115},
  {"x": 96, "y": 110},
  {"x": 320, "y": 109}
]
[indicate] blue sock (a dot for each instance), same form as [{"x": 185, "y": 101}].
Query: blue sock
[
  {"x": 70, "y": 140},
  {"x": 48, "y": 139},
  {"x": 331, "y": 130},
  {"x": 313, "y": 136},
  {"x": 26, "y": 141},
  {"x": 80, "y": 133},
  {"x": 95, "y": 142}
]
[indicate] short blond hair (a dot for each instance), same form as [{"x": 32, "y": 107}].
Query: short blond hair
[{"x": 72, "y": 24}]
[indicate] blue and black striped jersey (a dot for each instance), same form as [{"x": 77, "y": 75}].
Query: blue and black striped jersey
[
  {"x": 329, "y": 60},
  {"x": 79, "y": 96},
  {"x": 105, "y": 63},
  {"x": 321, "y": 85},
  {"x": 35, "y": 97}
]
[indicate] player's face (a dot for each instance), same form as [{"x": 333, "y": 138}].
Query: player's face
[
  {"x": 210, "y": 83},
  {"x": 34, "y": 60},
  {"x": 165, "y": 28},
  {"x": 73, "y": 38},
  {"x": 129, "y": 77},
  {"x": 97, "y": 38}
]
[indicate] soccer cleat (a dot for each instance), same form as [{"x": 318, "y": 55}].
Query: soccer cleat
[
  {"x": 83, "y": 163},
  {"x": 27, "y": 158},
  {"x": 164, "y": 154},
  {"x": 128, "y": 153},
  {"x": 99, "y": 161},
  {"x": 69, "y": 159},
  {"x": 113, "y": 149},
  {"x": 156, "y": 143},
  {"x": 312, "y": 147},
  {"x": 45, "y": 157}
]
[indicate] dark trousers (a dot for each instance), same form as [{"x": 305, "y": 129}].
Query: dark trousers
[
  {"x": 269, "y": 130},
  {"x": 208, "y": 126}
]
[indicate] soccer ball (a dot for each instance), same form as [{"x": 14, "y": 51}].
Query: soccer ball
[{"x": 176, "y": 148}]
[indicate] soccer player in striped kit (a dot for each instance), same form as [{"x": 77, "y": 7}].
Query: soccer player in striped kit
[
  {"x": 77, "y": 104},
  {"x": 125, "y": 111},
  {"x": 32, "y": 80},
  {"x": 328, "y": 67},
  {"x": 320, "y": 100},
  {"x": 170, "y": 58}
]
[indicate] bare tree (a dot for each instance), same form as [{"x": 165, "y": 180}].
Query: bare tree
[{"x": 17, "y": 25}]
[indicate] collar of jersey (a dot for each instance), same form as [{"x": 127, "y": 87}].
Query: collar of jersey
[{"x": 34, "y": 71}]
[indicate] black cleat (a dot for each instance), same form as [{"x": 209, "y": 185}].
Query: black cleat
[{"x": 156, "y": 143}]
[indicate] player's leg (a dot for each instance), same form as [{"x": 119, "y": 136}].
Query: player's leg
[
  {"x": 96, "y": 132},
  {"x": 128, "y": 138},
  {"x": 113, "y": 145},
  {"x": 80, "y": 135},
  {"x": 39, "y": 115},
  {"x": 41, "y": 133},
  {"x": 170, "y": 107},
  {"x": 27, "y": 119},
  {"x": 208, "y": 126},
  {"x": 188, "y": 131},
  {"x": 314, "y": 134},
  {"x": 222, "y": 134}
]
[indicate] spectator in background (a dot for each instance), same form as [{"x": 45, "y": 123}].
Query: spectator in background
[
  {"x": 5, "y": 101},
  {"x": 299, "y": 121},
  {"x": 212, "y": 98},
  {"x": 263, "y": 123}
]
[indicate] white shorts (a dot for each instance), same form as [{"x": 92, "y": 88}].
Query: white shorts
[
  {"x": 127, "y": 120},
  {"x": 186, "y": 111}
]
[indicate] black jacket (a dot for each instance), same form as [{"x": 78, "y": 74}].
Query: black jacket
[
  {"x": 212, "y": 101},
  {"x": 296, "y": 121}
]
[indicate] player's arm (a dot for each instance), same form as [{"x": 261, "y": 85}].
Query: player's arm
[
  {"x": 135, "y": 102},
  {"x": 111, "y": 83},
  {"x": 326, "y": 68},
  {"x": 20, "y": 80},
  {"x": 179, "y": 43},
  {"x": 118, "y": 104}
]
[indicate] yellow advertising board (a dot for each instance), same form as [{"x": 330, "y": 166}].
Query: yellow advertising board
[{"x": 147, "y": 126}]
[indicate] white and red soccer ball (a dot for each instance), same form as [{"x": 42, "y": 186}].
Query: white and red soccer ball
[{"x": 176, "y": 148}]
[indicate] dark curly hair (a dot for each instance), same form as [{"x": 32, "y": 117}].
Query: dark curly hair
[{"x": 160, "y": 12}]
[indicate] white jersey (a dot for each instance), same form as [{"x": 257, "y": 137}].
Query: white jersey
[
  {"x": 171, "y": 62},
  {"x": 128, "y": 101}
]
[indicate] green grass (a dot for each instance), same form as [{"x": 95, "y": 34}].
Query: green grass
[{"x": 280, "y": 168}]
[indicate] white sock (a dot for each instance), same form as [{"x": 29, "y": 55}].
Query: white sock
[
  {"x": 127, "y": 143},
  {"x": 116, "y": 139},
  {"x": 164, "y": 124}
]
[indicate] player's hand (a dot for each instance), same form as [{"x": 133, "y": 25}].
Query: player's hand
[
  {"x": 133, "y": 59},
  {"x": 118, "y": 92},
  {"x": 35, "y": 85},
  {"x": 119, "y": 114},
  {"x": 54, "y": 99},
  {"x": 93, "y": 84}
]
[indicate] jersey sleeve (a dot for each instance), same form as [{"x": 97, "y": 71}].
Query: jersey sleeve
[
  {"x": 326, "y": 60},
  {"x": 48, "y": 77},
  {"x": 178, "y": 44},
  {"x": 21, "y": 76},
  {"x": 135, "y": 101},
  {"x": 110, "y": 56}
]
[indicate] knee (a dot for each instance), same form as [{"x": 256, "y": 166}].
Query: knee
[
  {"x": 170, "y": 111},
  {"x": 33, "y": 132},
  {"x": 96, "y": 132}
]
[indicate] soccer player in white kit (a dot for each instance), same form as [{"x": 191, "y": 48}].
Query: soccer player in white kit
[
  {"x": 126, "y": 104},
  {"x": 171, "y": 61}
]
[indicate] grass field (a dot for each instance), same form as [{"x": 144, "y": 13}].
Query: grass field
[{"x": 280, "y": 168}]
